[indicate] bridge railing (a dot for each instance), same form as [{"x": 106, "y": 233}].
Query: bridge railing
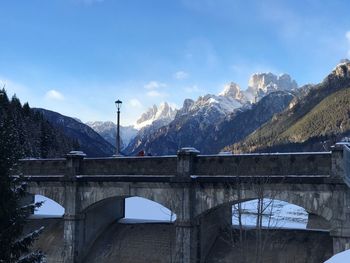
[
  {"x": 147, "y": 166},
  {"x": 44, "y": 167},
  {"x": 185, "y": 165},
  {"x": 291, "y": 164}
]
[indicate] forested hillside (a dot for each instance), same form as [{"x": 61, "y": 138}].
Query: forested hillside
[
  {"x": 314, "y": 122},
  {"x": 32, "y": 136}
]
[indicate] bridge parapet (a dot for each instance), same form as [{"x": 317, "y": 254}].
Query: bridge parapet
[
  {"x": 187, "y": 164},
  {"x": 42, "y": 166},
  {"x": 290, "y": 164}
]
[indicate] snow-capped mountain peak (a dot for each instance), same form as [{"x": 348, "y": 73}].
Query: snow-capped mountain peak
[
  {"x": 232, "y": 90},
  {"x": 164, "y": 112}
]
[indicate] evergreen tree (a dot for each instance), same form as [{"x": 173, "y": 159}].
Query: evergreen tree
[{"x": 14, "y": 248}]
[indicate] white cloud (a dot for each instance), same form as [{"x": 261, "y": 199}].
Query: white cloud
[
  {"x": 154, "y": 93},
  {"x": 152, "y": 85},
  {"x": 135, "y": 103},
  {"x": 54, "y": 95},
  {"x": 181, "y": 75}
]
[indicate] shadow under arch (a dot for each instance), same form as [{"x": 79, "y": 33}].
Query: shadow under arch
[
  {"x": 166, "y": 197},
  {"x": 103, "y": 218}
]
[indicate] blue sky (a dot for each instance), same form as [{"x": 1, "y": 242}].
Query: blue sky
[{"x": 77, "y": 56}]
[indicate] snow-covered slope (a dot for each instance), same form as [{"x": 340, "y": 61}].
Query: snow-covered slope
[{"x": 224, "y": 103}]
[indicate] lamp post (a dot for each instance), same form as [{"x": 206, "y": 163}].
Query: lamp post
[{"x": 118, "y": 103}]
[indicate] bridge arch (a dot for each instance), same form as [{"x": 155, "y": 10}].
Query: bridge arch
[
  {"x": 54, "y": 192},
  {"x": 166, "y": 197},
  {"x": 315, "y": 202},
  {"x": 49, "y": 207}
]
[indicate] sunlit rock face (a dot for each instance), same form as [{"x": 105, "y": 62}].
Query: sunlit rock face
[
  {"x": 164, "y": 114},
  {"x": 261, "y": 84}
]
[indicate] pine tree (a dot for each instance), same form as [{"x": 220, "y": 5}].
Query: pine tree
[{"x": 14, "y": 248}]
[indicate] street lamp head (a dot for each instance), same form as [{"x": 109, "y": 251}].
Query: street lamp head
[{"x": 118, "y": 103}]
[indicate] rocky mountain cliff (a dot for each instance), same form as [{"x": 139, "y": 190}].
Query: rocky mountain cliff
[
  {"x": 90, "y": 141},
  {"x": 160, "y": 116},
  {"x": 313, "y": 121},
  {"x": 260, "y": 84}
]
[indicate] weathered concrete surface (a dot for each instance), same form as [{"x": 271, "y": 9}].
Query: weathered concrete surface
[
  {"x": 317, "y": 222},
  {"x": 282, "y": 246},
  {"x": 51, "y": 239},
  {"x": 154, "y": 242},
  {"x": 134, "y": 243}
]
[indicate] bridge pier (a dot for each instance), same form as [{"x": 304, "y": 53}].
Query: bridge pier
[
  {"x": 340, "y": 244},
  {"x": 186, "y": 227},
  {"x": 81, "y": 228},
  {"x": 186, "y": 242}
]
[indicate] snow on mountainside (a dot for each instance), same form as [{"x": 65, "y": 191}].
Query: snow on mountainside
[
  {"x": 163, "y": 114},
  {"x": 226, "y": 102},
  {"x": 108, "y": 130}
]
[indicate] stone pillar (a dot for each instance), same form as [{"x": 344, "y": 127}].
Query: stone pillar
[
  {"x": 72, "y": 219},
  {"x": 186, "y": 240},
  {"x": 341, "y": 239},
  {"x": 340, "y": 244},
  {"x": 337, "y": 170},
  {"x": 185, "y": 158}
]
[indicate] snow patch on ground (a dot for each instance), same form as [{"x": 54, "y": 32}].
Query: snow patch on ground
[{"x": 278, "y": 214}]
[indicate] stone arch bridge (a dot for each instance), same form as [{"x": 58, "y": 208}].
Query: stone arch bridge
[{"x": 199, "y": 189}]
